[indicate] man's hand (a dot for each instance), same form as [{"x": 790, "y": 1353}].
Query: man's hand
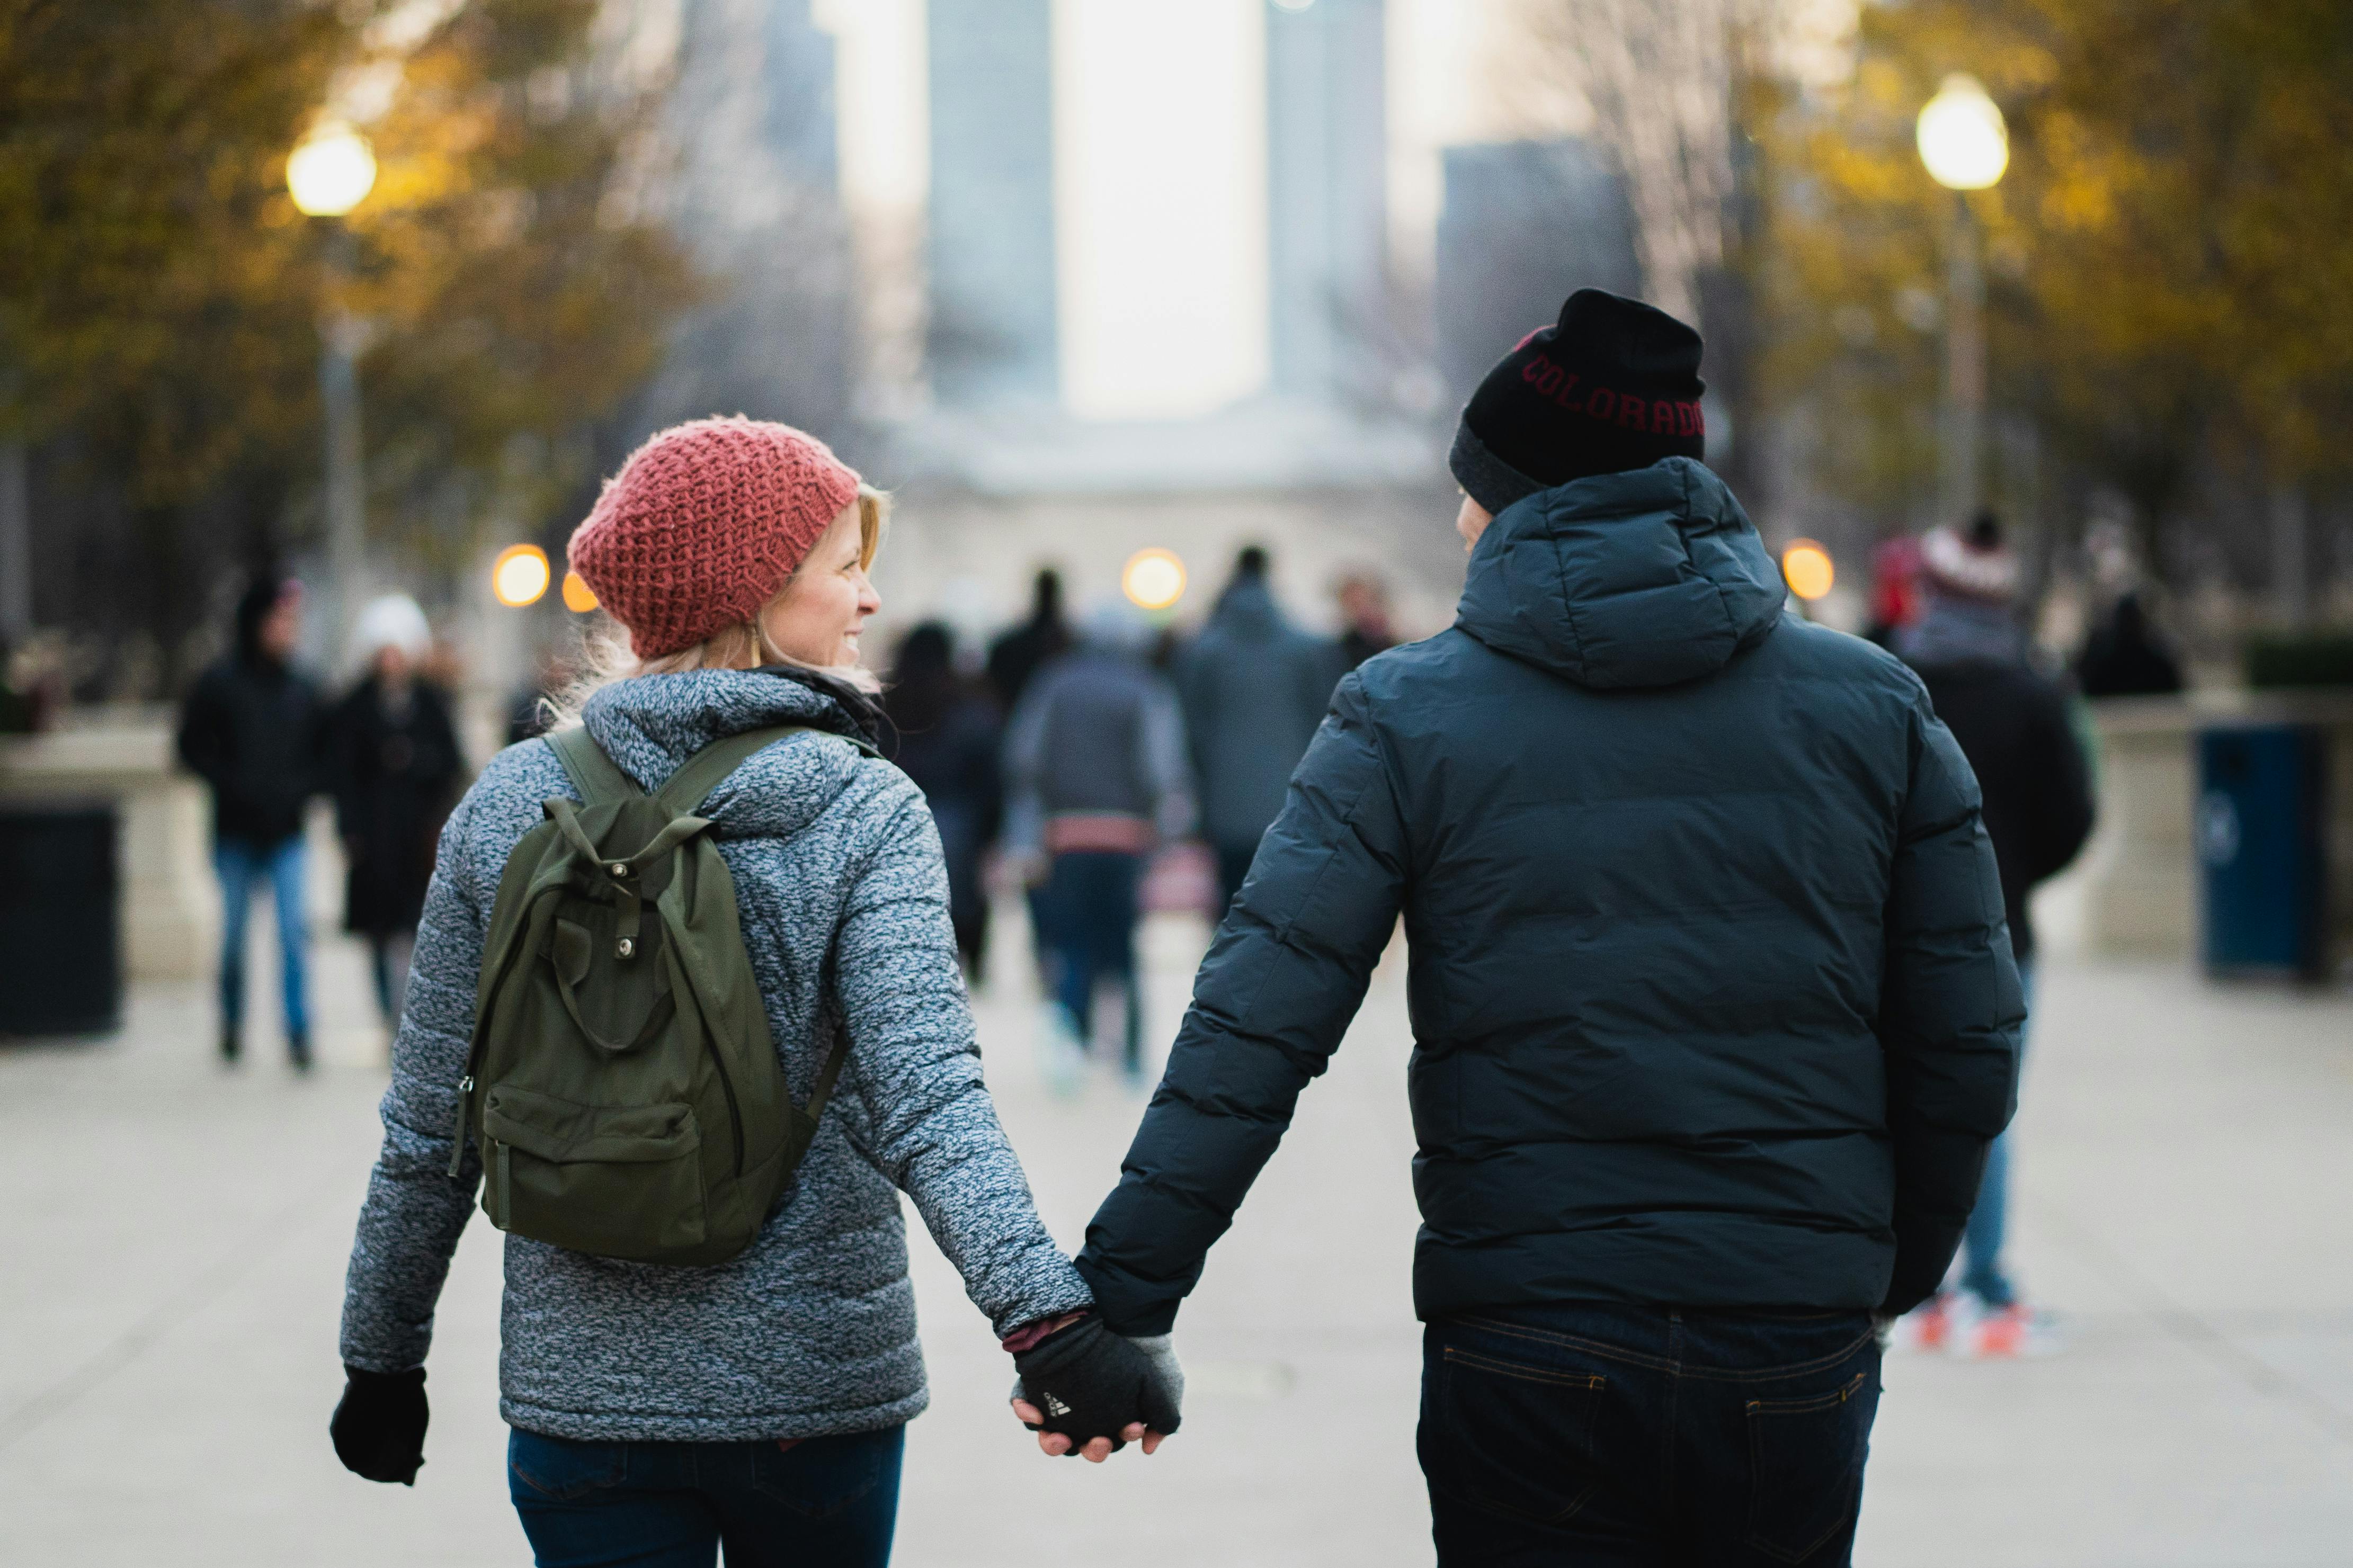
[{"x": 1097, "y": 1449}]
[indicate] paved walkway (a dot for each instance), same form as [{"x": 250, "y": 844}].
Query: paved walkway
[{"x": 175, "y": 1238}]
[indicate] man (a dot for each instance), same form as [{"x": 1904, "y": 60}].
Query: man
[
  {"x": 1021, "y": 652},
  {"x": 1254, "y": 687},
  {"x": 1095, "y": 779},
  {"x": 1713, "y": 1011},
  {"x": 2013, "y": 724},
  {"x": 253, "y": 728}
]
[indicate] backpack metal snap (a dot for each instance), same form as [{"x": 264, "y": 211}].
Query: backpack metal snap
[
  {"x": 625, "y": 947},
  {"x": 618, "y": 868}
]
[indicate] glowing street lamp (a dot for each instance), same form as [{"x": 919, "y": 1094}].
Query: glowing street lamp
[
  {"x": 1153, "y": 579},
  {"x": 578, "y": 597},
  {"x": 331, "y": 172},
  {"x": 328, "y": 175},
  {"x": 1806, "y": 567},
  {"x": 519, "y": 575},
  {"x": 1963, "y": 139},
  {"x": 1964, "y": 144}
]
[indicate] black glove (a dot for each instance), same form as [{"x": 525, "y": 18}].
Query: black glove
[
  {"x": 379, "y": 1425},
  {"x": 1090, "y": 1384}
]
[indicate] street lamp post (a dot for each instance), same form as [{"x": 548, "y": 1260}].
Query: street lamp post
[
  {"x": 1965, "y": 147},
  {"x": 328, "y": 175}
]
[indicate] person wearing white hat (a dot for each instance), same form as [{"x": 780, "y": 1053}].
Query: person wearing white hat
[{"x": 395, "y": 768}]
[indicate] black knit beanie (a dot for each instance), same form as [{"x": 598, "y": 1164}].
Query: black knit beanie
[{"x": 1615, "y": 385}]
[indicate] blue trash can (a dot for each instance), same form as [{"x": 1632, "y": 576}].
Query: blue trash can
[{"x": 2261, "y": 830}]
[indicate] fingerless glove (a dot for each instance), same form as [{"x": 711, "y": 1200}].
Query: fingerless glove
[
  {"x": 1090, "y": 1383},
  {"x": 379, "y": 1425}
]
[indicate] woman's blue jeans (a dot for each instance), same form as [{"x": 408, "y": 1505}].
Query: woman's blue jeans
[
  {"x": 1982, "y": 1274},
  {"x": 823, "y": 1502}
]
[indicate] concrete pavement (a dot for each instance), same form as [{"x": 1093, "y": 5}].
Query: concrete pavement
[{"x": 175, "y": 1237}]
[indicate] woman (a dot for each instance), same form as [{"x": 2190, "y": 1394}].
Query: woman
[
  {"x": 947, "y": 740},
  {"x": 661, "y": 1411},
  {"x": 394, "y": 764}
]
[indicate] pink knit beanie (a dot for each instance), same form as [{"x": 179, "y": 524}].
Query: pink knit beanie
[{"x": 703, "y": 524}]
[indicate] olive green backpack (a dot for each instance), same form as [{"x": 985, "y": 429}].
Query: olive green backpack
[{"x": 622, "y": 1084}]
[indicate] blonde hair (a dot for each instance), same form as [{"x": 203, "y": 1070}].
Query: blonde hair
[{"x": 605, "y": 657}]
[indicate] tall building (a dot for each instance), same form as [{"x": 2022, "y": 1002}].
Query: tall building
[
  {"x": 993, "y": 337},
  {"x": 1525, "y": 225},
  {"x": 1327, "y": 173}
]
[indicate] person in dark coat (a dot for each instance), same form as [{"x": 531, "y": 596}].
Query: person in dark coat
[
  {"x": 1095, "y": 779},
  {"x": 947, "y": 742},
  {"x": 1364, "y": 628},
  {"x": 253, "y": 728},
  {"x": 2125, "y": 656},
  {"x": 1028, "y": 647},
  {"x": 1254, "y": 687},
  {"x": 1714, "y": 1010},
  {"x": 2012, "y": 723},
  {"x": 397, "y": 769}
]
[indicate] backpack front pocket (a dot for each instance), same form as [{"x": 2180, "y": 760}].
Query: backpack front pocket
[{"x": 617, "y": 1181}]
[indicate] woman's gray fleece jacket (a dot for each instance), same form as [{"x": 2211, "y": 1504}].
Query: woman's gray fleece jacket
[{"x": 843, "y": 896}]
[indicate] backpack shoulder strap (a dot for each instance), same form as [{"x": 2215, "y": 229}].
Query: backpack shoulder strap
[
  {"x": 688, "y": 788},
  {"x": 596, "y": 776}
]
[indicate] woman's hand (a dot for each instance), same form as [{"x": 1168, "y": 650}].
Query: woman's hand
[{"x": 1097, "y": 1449}]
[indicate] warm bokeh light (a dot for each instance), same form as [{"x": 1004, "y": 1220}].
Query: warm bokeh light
[
  {"x": 1806, "y": 567},
  {"x": 1153, "y": 579},
  {"x": 519, "y": 575},
  {"x": 1962, "y": 138},
  {"x": 578, "y": 597},
  {"x": 331, "y": 172}
]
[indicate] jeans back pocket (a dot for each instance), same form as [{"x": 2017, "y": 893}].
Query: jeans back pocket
[
  {"x": 1805, "y": 1457},
  {"x": 1510, "y": 1436},
  {"x": 559, "y": 1469}
]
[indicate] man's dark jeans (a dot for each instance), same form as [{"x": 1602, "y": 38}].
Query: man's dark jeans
[
  {"x": 826, "y": 1502},
  {"x": 1586, "y": 1433}
]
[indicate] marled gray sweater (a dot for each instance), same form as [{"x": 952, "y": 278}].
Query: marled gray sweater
[{"x": 812, "y": 1331}]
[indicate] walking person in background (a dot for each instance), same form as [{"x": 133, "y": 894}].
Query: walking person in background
[
  {"x": 253, "y": 728},
  {"x": 2125, "y": 656},
  {"x": 1095, "y": 779},
  {"x": 1364, "y": 626},
  {"x": 1713, "y": 1014},
  {"x": 662, "y": 1409},
  {"x": 947, "y": 742},
  {"x": 2012, "y": 723},
  {"x": 1019, "y": 654},
  {"x": 1254, "y": 687},
  {"x": 395, "y": 767}
]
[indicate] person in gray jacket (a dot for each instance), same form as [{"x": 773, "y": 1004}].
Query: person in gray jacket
[
  {"x": 1095, "y": 778},
  {"x": 658, "y": 1411},
  {"x": 1254, "y": 687}
]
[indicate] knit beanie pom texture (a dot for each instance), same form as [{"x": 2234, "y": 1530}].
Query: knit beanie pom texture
[{"x": 703, "y": 524}]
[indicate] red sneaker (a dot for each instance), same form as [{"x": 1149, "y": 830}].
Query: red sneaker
[
  {"x": 1926, "y": 1327},
  {"x": 2009, "y": 1332}
]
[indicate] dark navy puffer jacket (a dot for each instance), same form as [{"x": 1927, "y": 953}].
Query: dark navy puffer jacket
[{"x": 1712, "y": 997}]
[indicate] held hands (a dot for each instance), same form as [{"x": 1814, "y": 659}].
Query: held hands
[
  {"x": 379, "y": 1425},
  {"x": 1088, "y": 1392}
]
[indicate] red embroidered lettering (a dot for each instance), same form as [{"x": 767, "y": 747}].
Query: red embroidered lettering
[
  {"x": 1698, "y": 418},
  {"x": 1534, "y": 368},
  {"x": 1633, "y": 414},
  {"x": 1600, "y": 402},
  {"x": 1565, "y": 388},
  {"x": 1663, "y": 418},
  {"x": 1551, "y": 382}
]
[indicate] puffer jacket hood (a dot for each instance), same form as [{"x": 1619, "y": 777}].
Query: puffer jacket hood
[{"x": 1647, "y": 578}]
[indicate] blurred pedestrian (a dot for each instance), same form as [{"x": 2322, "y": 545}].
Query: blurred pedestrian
[
  {"x": 948, "y": 737},
  {"x": 1254, "y": 687},
  {"x": 659, "y": 1407},
  {"x": 2125, "y": 656},
  {"x": 1894, "y": 589},
  {"x": 255, "y": 728},
  {"x": 1019, "y": 654},
  {"x": 1714, "y": 1016},
  {"x": 1095, "y": 778},
  {"x": 1365, "y": 628},
  {"x": 395, "y": 765},
  {"x": 2013, "y": 724}
]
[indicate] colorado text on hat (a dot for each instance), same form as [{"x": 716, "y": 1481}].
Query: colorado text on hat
[{"x": 1628, "y": 411}]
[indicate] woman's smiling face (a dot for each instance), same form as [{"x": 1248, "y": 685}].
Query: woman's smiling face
[{"x": 817, "y": 619}]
